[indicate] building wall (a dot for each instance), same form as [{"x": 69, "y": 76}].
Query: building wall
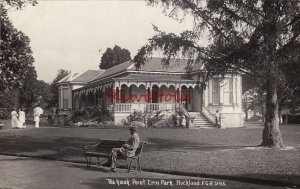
[
  {"x": 69, "y": 87},
  {"x": 231, "y": 113},
  {"x": 196, "y": 100}
]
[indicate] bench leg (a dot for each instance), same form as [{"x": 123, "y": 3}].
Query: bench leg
[
  {"x": 88, "y": 161},
  {"x": 139, "y": 165},
  {"x": 127, "y": 164}
]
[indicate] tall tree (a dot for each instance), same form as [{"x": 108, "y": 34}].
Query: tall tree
[
  {"x": 255, "y": 37},
  {"x": 15, "y": 55},
  {"x": 43, "y": 91},
  {"x": 53, "y": 102},
  {"x": 113, "y": 57},
  {"x": 28, "y": 95}
]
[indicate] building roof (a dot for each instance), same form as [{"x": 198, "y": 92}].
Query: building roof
[
  {"x": 155, "y": 65},
  {"x": 83, "y": 77},
  {"x": 156, "y": 77},
  {"x": 176, "y": 66},
  {"x": 114, "y": 70},
  {"x": 68, "y": 78},
  {"x": 88, "y": 75}
]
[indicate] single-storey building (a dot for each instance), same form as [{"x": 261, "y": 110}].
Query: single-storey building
[{"x": 124, "y": 89}]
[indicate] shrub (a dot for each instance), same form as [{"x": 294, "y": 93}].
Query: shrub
[
  {"x": 138, "y": 124},
  {"x": 4, "y": 114},
  {"x": 154, "y": 118},
  {"x": 136, "y": 116},
  {"x": 90, "y": 115},
  {"x": 158, "y": 119}
]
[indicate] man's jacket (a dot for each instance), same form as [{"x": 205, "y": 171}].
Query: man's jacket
[{"x": 132, "y": 144}]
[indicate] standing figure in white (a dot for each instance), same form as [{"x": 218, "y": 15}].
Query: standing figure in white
[
  {"x": 14, "y": 119},
  {"x": 22, "y": 119},
  {"x": 36, "y": 113}
]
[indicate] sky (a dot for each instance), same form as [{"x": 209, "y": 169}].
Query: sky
[{"x": 68, "y": 34}]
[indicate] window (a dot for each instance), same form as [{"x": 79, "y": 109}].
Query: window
[
  {"x": 228, "y": 90},
  {"x": 215, "y": 91},
  {"x": 65, "y": 98}
]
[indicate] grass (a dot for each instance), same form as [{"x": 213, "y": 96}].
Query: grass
[{"x": 220, "y": 153}]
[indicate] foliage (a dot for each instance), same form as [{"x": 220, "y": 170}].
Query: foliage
[
  {"x": 137, "y": 116},
  {"x": 28, "y": 92},
  {"x": 259, "y": 38},
  {"x": 18, "y": 4},
  {"x": 9, "y": 100},
  {"x": 138, "y": 124},
  {"x": 252, "y": 99},
  {"x": 157, "y": 119},
  {"x": 43, "y": 92},
  {"x": 113, "y": 57},
  {"x": 96, "y": 114},
  {"x": 16, "y": 55},
  {"x": 16, "y": 60},
  {"x": 255, "y": 118},
  {"x": 53, "y": 100}
]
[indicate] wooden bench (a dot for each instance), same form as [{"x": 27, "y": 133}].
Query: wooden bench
[{"x": 103, "y": 150}]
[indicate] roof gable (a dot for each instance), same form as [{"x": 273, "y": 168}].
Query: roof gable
[
  {"x": 87, "y": 75},
  {"x": 114, "y": 70},
  {"x": 68, "y": 78}
]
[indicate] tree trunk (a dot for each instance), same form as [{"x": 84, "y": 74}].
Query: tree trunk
[{"x": 271, "y": 136}]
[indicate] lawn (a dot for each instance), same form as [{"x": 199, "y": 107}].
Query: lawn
[{"x": 221, "y": 153}]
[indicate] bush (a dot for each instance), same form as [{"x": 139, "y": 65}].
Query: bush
[
  {"x": 155, "y": 118},
  {"x": 138, "y": 124},
  {"x": 135, "y": 116},
  {"x": 158, "y": 119},
  {"x": 90, "y": 116},
  {"x": 254, "y": 118},
  {"x": 4, "y": 114}
]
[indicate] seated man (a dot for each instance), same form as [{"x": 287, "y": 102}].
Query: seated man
[{"x": 128, "y": 149}]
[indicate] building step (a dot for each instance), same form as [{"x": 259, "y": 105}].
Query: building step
[{"x": 200, "y": 121}]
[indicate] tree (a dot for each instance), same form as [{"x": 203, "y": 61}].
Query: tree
[
  {"x": 54, "y": 98},
  {"x": 252, "y": 99},
  {"x": 259, "y": 38},
  {"x": 15, "y": 56},
  {"x": 28, "y": 94},
  {"x": 113, "y": 57},
  {"x": 18, "y": 4},
  {"x": 44, "y": 93}
]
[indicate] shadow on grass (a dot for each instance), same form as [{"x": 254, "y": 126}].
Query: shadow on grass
[
  {"x": 48, "y": 148},
  {"x": 159, "y": 144},
  {"x": 92, "y": 168},
  {"x": 62, "y": 148}
]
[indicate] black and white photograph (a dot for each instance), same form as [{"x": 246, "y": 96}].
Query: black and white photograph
[{"x": 149, "y": 94}]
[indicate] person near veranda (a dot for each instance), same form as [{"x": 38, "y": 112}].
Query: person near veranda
[
  {"x": 14, "y": 119},
  {"x": 128, "y": 149},
  {"x": 22, "y": 119}
]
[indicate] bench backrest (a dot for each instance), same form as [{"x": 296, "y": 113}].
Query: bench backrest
[
  {"x": 108, "y": 145},
  {"x": 140, "y": 148}
]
